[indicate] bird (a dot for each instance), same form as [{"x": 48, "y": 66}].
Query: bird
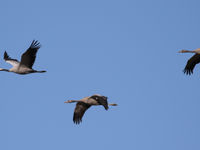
[
  {"x": 85, "y": 103},
  {"x": 195, "y": 59},
  {"x": 27, "y": 60}
]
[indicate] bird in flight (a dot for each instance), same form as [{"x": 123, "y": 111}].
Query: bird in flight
[
  {"x": 27, "y": 60},
  {"x": 195, "y": 59},
  {"x": 85, "y": 103}
]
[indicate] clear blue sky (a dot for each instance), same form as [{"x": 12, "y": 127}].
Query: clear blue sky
[{"x": 126, "y": 50}]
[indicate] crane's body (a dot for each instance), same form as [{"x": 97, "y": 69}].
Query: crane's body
[
  {"x": 85, "y": 103},
  {"x": 27, "y": 60}
]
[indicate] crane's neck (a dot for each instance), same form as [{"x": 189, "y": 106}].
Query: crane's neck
[
  {"x": 187, "y": 51},
  {"x": 1, "y": 69}
]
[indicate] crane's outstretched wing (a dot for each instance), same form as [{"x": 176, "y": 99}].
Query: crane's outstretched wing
[
  {"x": 28, "y": 58},
  {"x": 13, "y": 62},
  {"x": 195, "y": 59},
  {"x": 79, "y": 111}
]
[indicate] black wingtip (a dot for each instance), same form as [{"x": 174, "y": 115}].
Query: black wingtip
[
  {"x": 188, "y": 71},
  {"x": 77, "y": 121},
  {"x": 6, "y": 55},
  {"x": 35, "y": 44}
]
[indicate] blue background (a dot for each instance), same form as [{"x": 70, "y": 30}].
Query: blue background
[{"x": 123, "y": 49}]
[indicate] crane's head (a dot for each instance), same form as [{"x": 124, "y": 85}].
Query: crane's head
[{"x": 183, "y": 51}]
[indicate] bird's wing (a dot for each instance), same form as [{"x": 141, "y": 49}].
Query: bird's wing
[
  {"x": 13, "y": 62},
  {"x": 79, "y": 111},
  {"x": 28, "y": 58},
  {"x": 191, "y": 64},
  {"x": 103, "y": 101}
]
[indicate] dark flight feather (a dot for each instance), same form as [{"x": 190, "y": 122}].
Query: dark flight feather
[
  {"x": 28, "y": 58},
  {"x": 79, "y": 111},
  {"x": 7, "y": 57},
  {"x": 195, "y": 59}
]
